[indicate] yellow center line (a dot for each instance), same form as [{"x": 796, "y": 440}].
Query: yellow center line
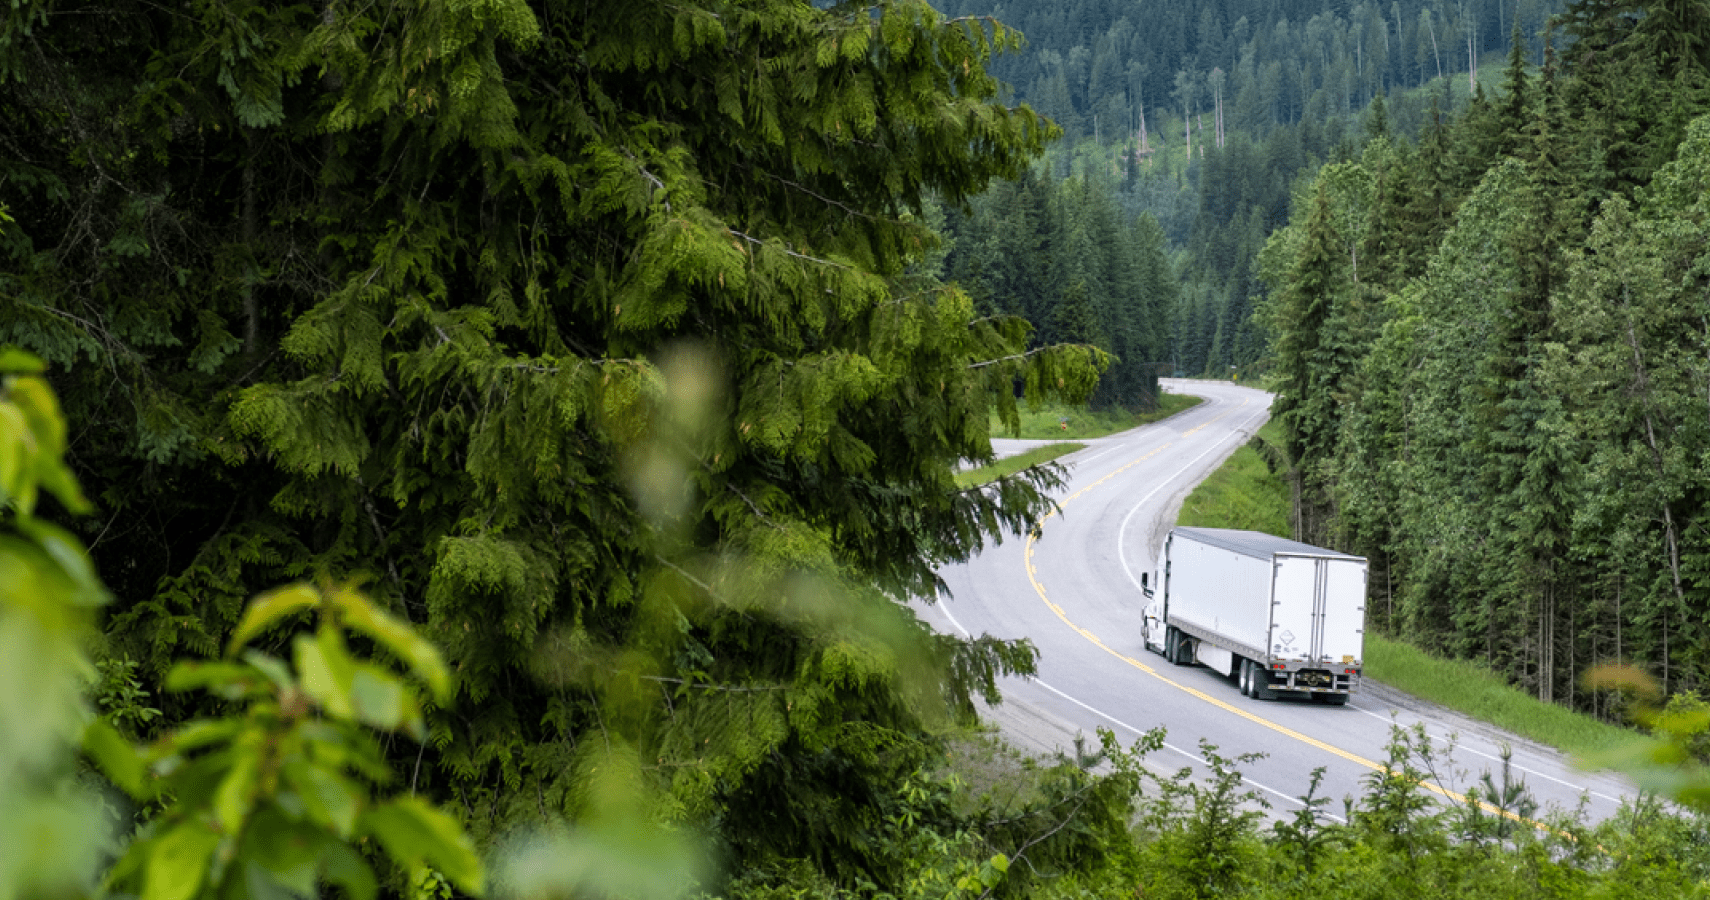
[
  {"x": 1219, "y": 417},
  {"x": 1033, "y": 577}
]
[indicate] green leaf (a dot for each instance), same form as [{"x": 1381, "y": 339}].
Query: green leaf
[
  {"x": 117, "y": 758},
  {"x": 416, "y": 834},
  {"x": 327, "y": 671},
  {"x": 287, "y": 854},
  {"x": 615, "y": 859},
  {"x": 18, "y": 362},
  {"x": 236, "y": 793},
  {"x": 328, "y": 797},
  {"x": 272, "y": 667},
  {"x": 230, "y": 680},
  {"x": 261, "y": 884},
  {"x": 177, "y": 862},
  {"x": 13, "y": 451},
  {"x": 41, "y": 410},
  {"x": 419, "y": 654},
  {"x": 381, "y": 699},
  {"x": 198, "y": 734},
  {"x": 270, "y": 607},
  {"x": 342, "y": 866},
  {"x": 68, "y": 554}
]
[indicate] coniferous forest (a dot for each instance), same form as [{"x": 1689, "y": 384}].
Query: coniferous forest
[
  {"x": 1490, "y": 346},
  {"x": 490, "y": 447}
]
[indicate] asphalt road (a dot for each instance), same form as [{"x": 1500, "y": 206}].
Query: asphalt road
[{"x": 1074, "y": 590}]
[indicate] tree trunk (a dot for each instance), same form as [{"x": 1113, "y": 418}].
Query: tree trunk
[{"x": 1435, "y": 53}]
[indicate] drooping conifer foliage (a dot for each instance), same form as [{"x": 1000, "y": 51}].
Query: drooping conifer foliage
[{"x": 418, "y": 290}]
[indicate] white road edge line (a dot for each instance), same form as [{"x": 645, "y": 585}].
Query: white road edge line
[
  {"x": 1459, "y": 746},
  {"x": 1107, "y": 716},
  {"x": 1122, "y": 532},
  {"x": 1169, "y": 746}
]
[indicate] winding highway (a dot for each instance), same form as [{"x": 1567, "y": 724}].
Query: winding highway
[{"x": 1073, "y": 588}]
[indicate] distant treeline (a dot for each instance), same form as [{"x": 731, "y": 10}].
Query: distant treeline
[
  {"x": 1062, "y": 255},
  {"x": 1101, "y": 67},
  {"x": 1205, "y": 115}
]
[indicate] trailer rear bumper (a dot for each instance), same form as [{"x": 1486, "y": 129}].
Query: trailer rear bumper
[{"x": 1311, "y": 680}]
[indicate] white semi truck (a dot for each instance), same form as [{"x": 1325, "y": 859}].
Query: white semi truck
[{"x": 1274, "y": 614}]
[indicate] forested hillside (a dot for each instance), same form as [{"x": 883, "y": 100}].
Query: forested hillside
[
  {"x": 1492, "y": 353},
  {"x": 1064, "y": 256},
  {"x": 1203, "y": 115}
]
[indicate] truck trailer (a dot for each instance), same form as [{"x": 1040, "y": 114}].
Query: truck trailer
[{"x": 1275, "y": 615}]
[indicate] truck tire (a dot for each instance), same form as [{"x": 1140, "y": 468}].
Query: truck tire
[
  {"x": 1262, "y": 684},
  {"x": 1178, "y": 651},
  {"x": 1246, "y": 677}
]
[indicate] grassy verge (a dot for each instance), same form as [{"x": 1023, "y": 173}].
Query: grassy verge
[
  {"x": 1046, "y": 422},
  {"x": 1243, "y": 493},
  {"x": 1475, "y": 691},
  {"x": 1010, "y": 465}
]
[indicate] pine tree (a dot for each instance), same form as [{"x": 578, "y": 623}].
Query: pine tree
[
  {"x": 1305, "y": 402},
  {"x": 1514, "y": 90}
]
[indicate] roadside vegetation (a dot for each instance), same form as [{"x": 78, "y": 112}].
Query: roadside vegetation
[
  {"x": 1010, "y": 465},
  {"x": 1056, "y": 420},
  {"x": 1070, "y": 423},
  {"x": 1248, "y": 491},
  {"x": 1474, "y": 690}
]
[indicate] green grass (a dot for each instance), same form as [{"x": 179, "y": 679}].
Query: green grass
[
  {"x": 1242, "y": 493},
  {"x": 1046, "y": 422},
  {"x": 1010, "y": 465},
  {"x": 1474, "y": 690},
  {"x": 1245, "y": 493}
]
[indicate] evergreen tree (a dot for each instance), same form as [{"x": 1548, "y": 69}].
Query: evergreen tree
[
  {"x": 1514, "y": 89},
  {"x": 596, "y": 335},
  {"x": 1305, "y": 402}
]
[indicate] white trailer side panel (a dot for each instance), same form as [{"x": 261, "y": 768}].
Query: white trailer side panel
[{"x": 1219, "y": 590}]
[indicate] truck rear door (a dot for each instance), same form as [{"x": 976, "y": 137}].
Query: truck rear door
[
  {"x": 1294, "y": 607},
  {"x": 1344, "y": 621},
  {"x": 1318, "y": 612}
]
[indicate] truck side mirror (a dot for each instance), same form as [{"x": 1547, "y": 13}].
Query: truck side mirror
[{"x": 1145, "y": 588}]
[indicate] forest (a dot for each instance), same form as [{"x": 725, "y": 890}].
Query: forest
[
  {"x": 488, "y": 448},
  {"x": 1490, "y": 348},
  {"x": 1204, "y": 115}
]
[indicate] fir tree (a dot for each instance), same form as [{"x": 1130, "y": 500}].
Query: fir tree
[{"x": 445, "y": 296}]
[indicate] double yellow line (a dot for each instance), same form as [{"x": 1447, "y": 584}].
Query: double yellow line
[{"x": 1038, "y": 530}]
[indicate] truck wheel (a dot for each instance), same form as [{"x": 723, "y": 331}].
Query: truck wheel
[
  {"x": 1262, "y": 684},
  {"x": 1184, "y": 650},
  {"x": 1171, "y": 638},
  {"x": 1246, "y": 677}
]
